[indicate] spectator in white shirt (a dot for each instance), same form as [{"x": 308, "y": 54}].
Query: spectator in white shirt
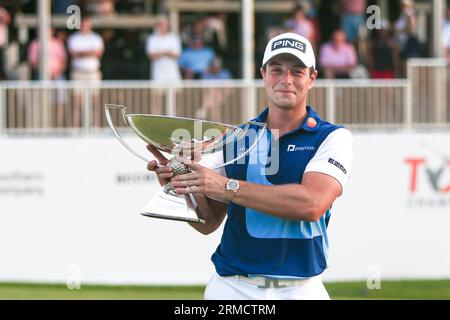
[
  {"x": 86, "y": 49},
  {"x": 163, "y": 49}
]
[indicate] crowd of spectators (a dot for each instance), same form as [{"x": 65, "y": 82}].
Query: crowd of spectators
[{"x": 206, "y": 46}]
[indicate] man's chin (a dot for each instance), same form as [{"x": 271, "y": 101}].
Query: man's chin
[{"x": 286, "y": 105}]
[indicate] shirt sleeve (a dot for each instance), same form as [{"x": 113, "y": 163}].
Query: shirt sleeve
[
  {"x": 324, "y": 55},
  {"x": 182, "y": 61},
  {"x": 334, "y": 156},
  {"x": 70, "y": 44},
  {"x": 147, "y": 45},
  {"x": 177, "y": 44},
  {"x": 353, "y": 60},
  {"x": 61, "y": 51},
  {"x": 100, "y": 44},
  {"x": 33, "y": 53},
  {"x": 211, "y": 56},
  {"x": 151, "y": 47},
  {"x": 446, "y": 37}
]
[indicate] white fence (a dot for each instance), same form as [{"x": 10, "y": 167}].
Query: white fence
[{"x": 421, "y": 100}]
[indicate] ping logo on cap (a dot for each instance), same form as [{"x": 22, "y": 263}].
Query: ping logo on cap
[{"x": 289, "y": 43}]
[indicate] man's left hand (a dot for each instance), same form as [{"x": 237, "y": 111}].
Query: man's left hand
[{"x": 201, "y": 180}]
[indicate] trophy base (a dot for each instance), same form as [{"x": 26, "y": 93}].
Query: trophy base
[
  {"x": 166, "y": 217},
  {"x": 166, "y": 206}
]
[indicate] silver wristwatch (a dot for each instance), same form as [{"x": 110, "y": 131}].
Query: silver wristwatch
[{"x": 232, "y": 185}]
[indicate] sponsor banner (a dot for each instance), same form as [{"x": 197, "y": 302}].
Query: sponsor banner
[
  {"x": 393, "y": 219},
  {"x": 69, "y": 212},
  {"x": 69, "y": 209}
]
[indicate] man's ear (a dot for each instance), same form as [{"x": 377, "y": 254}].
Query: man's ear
[
  {"x": 312, "y": 78},
  {"x": 262, "y": 72}
]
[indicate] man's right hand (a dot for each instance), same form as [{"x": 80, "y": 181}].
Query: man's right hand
[{"x": 161, "y": 169}]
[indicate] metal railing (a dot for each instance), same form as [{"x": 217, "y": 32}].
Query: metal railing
[
  {"x": 421, "y": 100},
  {"x": 429, "y": 81}
]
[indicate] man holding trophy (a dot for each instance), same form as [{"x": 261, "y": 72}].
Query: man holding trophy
[{"x": 275, "y": 243}]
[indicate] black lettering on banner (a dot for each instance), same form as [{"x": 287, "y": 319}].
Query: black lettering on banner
[
  {"x": 337, "y": 164},
  {"x": 289, "y": 43}
]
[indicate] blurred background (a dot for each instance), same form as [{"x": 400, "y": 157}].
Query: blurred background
[{"x": 70, "y": 195}]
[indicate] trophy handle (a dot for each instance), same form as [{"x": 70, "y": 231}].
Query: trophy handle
[
  {"x": 261, "y": 132},
  {"x": 123, "y": 109}
]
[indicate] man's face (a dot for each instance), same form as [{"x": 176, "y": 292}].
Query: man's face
[
  {"x": 86, "y": 25},
  {"x": 339, "y": 38},
  {"x": 299, "y": 14},
  {"x": 197, "y": 43},
  {"x": 163, "y": 26},
  {"x": 287, "y": 81}
]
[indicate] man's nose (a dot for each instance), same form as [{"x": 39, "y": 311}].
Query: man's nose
[{"x": 287, "y": 77}]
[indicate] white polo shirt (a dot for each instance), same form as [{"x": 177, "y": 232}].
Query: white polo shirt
[
  {"x": 80, "y": 42},
  {"x": 446, "y": 36},
  {"x": 164, "y": 68}
]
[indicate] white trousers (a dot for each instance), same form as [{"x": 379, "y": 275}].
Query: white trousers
[{"x": 231, "y": 288}]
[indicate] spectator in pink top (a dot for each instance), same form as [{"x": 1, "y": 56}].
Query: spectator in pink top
[
  {"x": 57, "y": 57},
  {"x": 301, "y": 25},
  {"x": 57, "y": 63},
  {"x": 337, "y": 58}
]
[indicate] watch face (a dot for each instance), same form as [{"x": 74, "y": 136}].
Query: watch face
[{"x": 233, "y": 185}]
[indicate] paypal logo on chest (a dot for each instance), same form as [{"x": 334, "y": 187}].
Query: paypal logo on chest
[{"x": 293, "y": 148}]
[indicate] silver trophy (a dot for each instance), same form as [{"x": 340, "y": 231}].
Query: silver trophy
[{"x": 182, "y": 138}]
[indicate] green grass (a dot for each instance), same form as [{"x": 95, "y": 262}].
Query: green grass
[
  {"x": 420, "y": 289},
  {"x": 407, "y": 289},
  {"x": 96, "y": 292}
]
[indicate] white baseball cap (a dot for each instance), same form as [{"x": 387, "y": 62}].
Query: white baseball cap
[{"x": 293, "y": 44}]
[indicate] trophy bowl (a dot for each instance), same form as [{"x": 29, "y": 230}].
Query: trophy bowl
[{"x": 183, "y": 138}]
